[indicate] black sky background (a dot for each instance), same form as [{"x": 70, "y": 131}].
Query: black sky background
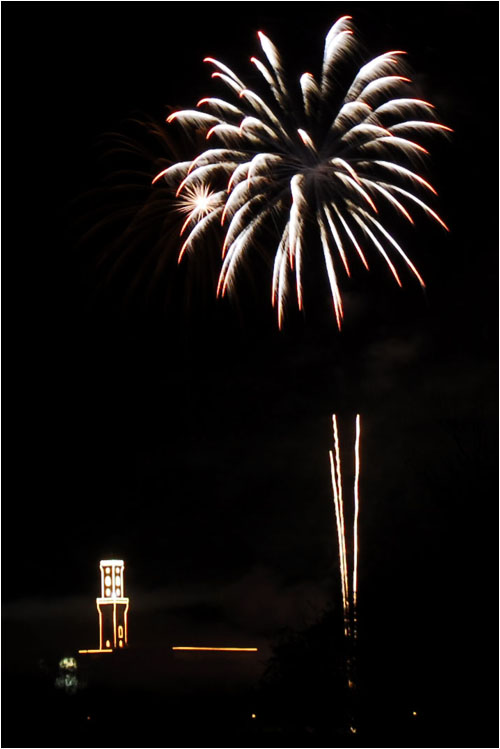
[{"x": 194, "y": 444}]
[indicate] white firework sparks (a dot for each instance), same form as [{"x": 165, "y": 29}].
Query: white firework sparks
[{"x": 289, "y": 164}]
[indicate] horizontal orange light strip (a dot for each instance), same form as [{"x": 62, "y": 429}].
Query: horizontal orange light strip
[
  {"x": 99, "y": 650},
  {"x": 234, "y": 650}
]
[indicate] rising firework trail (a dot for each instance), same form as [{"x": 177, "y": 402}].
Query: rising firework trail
[
  {"x": 356, "y": 512},
  {"x": 349, "y": 584},
  {"x": 328, "y": 158}
]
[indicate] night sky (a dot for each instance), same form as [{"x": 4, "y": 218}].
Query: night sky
[{"x": 143, "y": 420}]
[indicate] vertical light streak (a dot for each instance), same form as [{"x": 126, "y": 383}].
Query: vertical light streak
[
  {"x": 349, "y": 585},
  {"x": 339, "y": 512},
  {"x": 340, "y": 539},
  {"x": 339, "y": 486},
  {"x": 356, "y": 510}
]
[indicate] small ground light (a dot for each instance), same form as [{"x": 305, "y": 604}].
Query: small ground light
[
  {"x": 88, "y": 717},
  {"x": 253, "y": 715}
]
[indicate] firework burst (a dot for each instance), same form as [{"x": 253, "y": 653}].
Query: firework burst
[{"x": 328, "y": 157}]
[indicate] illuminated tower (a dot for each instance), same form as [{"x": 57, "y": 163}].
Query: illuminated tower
[{"x": 112, "y": 606}]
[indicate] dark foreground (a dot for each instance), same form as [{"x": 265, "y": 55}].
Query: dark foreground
[{"x": 39, "y": 714}]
